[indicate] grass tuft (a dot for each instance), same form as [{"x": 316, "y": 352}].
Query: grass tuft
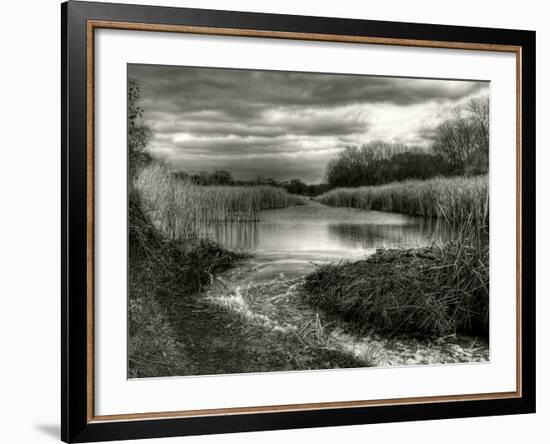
[{"x": 439, "y": 290}]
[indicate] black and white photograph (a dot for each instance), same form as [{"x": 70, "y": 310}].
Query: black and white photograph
[
  {"x": 253, "y": 222},
  {"x": 282, "y": 221}
]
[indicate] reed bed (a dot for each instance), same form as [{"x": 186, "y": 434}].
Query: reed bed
[
  {"x": 440, "y": 290},
  {"x": 181, "y": 209},
  {"x": 456, "y": 199}
]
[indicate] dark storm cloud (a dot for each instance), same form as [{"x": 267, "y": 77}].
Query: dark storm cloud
[
  {"x": 224, "y": 146},
  {"x": 245, "y": 92},
  {"x": 310, "y": 126},
  {"x": 209, "y": 113}
]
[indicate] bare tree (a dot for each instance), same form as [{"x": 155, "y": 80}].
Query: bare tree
[
  {"x": 479, "y": 110},
  {"x": 463, "y": 139},
  {"x": 445, "y": 144},
  {"x": 358, "y": 165}
]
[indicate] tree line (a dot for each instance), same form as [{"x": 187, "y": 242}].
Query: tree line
[
  {"x": 459, "y": 146},
  {"x": 223, "y": 177}
]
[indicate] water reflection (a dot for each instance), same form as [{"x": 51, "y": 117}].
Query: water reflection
[
  {"x": 236, "y": 235},
  {"x": 321, "y": 233},
  {"x": 420, "y": 233}
]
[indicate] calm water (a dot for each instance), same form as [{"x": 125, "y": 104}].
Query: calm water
[{"x": 292, "y": 240}]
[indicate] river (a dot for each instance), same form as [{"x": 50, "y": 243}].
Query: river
[
  {"x": 292, "y": 240},
  {"x": 288, "y": 243}
]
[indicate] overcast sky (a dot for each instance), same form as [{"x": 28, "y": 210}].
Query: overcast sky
[{"x": 284, "y": 125}]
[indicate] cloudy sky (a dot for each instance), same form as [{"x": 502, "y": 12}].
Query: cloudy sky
[{"x": 284, "y": 125}]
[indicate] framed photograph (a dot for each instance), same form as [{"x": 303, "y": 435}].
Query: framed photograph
[{"x": 276, "y": 221}]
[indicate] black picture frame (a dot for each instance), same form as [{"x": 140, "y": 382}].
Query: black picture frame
[{"x": 76, "y": 423}]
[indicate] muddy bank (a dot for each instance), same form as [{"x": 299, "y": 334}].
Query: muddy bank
[{"x": 218, "y": 341}]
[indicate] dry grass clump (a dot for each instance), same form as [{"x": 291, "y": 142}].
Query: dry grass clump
[
  {"x": 437, "y": 290},
  {"x": 181, "y": 209},
  {"x": 455, "y": 198},
  {"x": 176, "y": 265},
  {"x": 152, "y": 346}
]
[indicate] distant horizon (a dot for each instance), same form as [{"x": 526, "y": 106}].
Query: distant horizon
[
  {"x": 285, "y": 125},
  {"x": 264, "y": 178}
]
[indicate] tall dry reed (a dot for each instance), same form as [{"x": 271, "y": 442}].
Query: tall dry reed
[
  {"x": 181, "y": 209},
  {"x": 456, "y": 199}
]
